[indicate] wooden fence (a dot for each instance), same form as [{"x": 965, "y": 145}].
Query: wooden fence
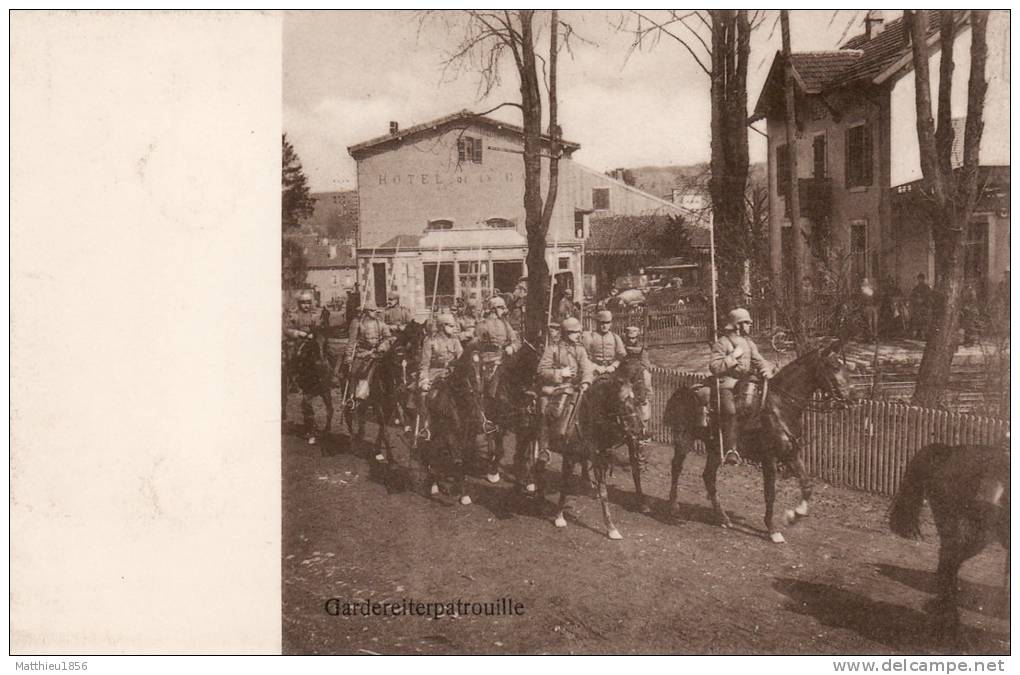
[{"x": 864, "y": 446}]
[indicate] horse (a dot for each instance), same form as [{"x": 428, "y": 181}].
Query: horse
[
  {"x": 455, "y": 420},
  {"x": 388, "y": 387},
  {"x": 967, "y": 487},
  {"x": 509, "y": 405},
  {"x": 310, "y": 367},
  {"x": 604, "y": 417},
  {"x": 777, "y": 440}
]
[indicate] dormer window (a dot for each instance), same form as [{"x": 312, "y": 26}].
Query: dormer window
[
  {"x": 500, "y": 223},
  {"x": 440, "y": 224},
  {"x": 469, "y": 149}
]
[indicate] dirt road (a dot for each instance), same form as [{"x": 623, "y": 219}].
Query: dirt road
[{"x": 841, "y": 585}]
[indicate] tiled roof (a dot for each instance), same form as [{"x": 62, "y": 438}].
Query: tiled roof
[
  {"x": 883, "y": 50},
  {"x": 402, "y": 241},
  {"x": 818, "y": 70},
  {"x": 463, "y": 116}
]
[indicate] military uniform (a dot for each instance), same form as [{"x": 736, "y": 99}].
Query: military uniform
[
  {"x": 300, "y": 320},
  {"x": 397, "y": 317},
  {"x": 439, "y": 352},
  {"x": 466, "y": 324},
  {"x": 641, "y": 382},
  {"x": 730, "y": 369},
  {"x": 605, "y": 350},
  {"x": 566, "y": 309},
  {"x": 554, "y": 359},
  {"x": 368, "y": 336},
  {"x": 493, "y": 335}
]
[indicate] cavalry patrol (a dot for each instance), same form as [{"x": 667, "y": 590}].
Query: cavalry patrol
[
  {"x": 494, "y": 339},
  {"x": 734, "y": 362},
  {"x": 441, "y": 349},
  {"x": 396, "y": 315},
  {"x": 565, "y": 371},
  {"x": 369, "y": 336},
  {"x": 605, "y": 348}
]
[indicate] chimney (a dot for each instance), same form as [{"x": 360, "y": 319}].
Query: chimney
[
  {"x": 874, "y": 22},
  {"x": 332, "y": 251},
  {"x": 394, "y": 128}
]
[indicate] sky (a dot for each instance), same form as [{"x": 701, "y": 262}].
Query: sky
[{"x": 347, "y": 74}]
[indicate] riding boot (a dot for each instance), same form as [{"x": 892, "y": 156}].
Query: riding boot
[{"x": 543, "y": 427}]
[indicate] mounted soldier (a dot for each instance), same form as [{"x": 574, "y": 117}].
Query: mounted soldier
[
  {"x": 519, "y": 305},
  {"x": 494, "y": 339},
  {"x": 565, "y": 371},
  {"x": 369, "y": 337},
  {"x": 735, "y": 361},
  {"x": 396, "y": 315},
  {"x": 605, "y": 348},
  {"x": 637, "y": 363},
  {"x": 306, "y": 361},
  {"x": 467, "y": 320},
  {"x": 441, "y": 349},
  {"x": 566, "y": 308},
  {"x": 302, "y": 321}
]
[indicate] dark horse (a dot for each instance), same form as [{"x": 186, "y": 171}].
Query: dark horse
[
  {"x": 775, "y": 440},
  {"x": 605, "y": 417},
  {"x": 310, "y": 367},
  {"x": 388, "y": 384},
  {"x": 509, "y": 406},
  {"x": 455, "y": 420},
  {"x": 967, "y": 487}
]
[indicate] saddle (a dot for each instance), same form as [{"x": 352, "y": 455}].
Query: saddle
[{"x": 748, "y": 397}]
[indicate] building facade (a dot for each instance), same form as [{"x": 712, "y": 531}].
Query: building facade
[
  {"x": 858, "y": 166},
  {"x": 441, "y": 212}
]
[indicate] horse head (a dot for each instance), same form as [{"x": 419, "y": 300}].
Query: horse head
[
  {"x": 833, "y": 372},
  {"x": 613, "y": 402}
]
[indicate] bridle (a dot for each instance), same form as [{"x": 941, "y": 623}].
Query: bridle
[{"x": 830, "y": 389}]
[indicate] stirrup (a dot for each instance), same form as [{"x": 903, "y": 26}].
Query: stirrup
[
  {"x": 544, "y": 455},
  {"x": 731, "y": 457},
  {"x": 425, "y": 433},
  {"x": 489, "y": 427}
]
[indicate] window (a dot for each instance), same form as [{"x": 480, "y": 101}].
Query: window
[
  {"x": 580, "y": 222},
  {"x": 564, "y": 263},
  {"x": 469, "y": 149},
  {"x": 500, "y": 223},
  {"x": 440, "y": 224},
  {"x": 782, "y": 170},
  {"x": 859, "y": 249},
  {"x": 858, "y": 156},
  {"x": 600, "y": 199},
  {"x": 474, "y": 278},
  {"x": 438, "y": 292},
  {"x": 336, "y": 279},
  {"x": 975, "y": 253},
  {"x": 818, "y": 150}
]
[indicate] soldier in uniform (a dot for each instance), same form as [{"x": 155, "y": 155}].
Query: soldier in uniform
[
  {"x": 440, "y": 350},
  {"x": 369, "y": 337},
  {"x": 564, "y": 371},
  {"x": 519, "y": 305},
  {"x": 494, "y": 338},
  {"x": 301, "y": 322},
  {"x": 635, "y": 351},
  {"x": 605, "y": 348},
  {"x": 467, "y": 320},
  {"x": 395, "y": 315},
  {"x": 735, "y": 359},
  {"x": 566, "y": 308}
]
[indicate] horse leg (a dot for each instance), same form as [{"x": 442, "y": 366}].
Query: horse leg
[
  {"x": 637, "y": 464},
  {"x": 600, "y": 466},
  {"x": 768, "y": 471},
  {"x": 677, "y": 468},
  {"x": 943, "y": 605},
  {"x": 382, "y": 439},
  {"x": 327, "y": 400},
  {"x": 494, "y": 443},
  {"x": 567, "y": 477},
  {"x": 308, "y": 415},
  {"x": 467, "y": 450},
  {"x": 791, "y": 516},
  {"x": 709, "y": 476}
]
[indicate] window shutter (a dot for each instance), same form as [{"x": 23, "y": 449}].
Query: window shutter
[
  {"x": 866, "y": 155},
  {"x": 478, "y": 150},
  {"x": 460, "y": 150}
]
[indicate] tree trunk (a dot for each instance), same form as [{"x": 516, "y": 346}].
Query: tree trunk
[
  {"x": 952, "y": 195},
  {"x": 535, "y": 225},
  {"x": 793, "y": 191}
]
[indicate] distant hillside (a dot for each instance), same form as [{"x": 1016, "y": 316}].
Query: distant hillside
[{"x": 660, "y": 180}]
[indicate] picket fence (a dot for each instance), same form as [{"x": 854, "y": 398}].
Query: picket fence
[{"x": 865, "y": 445}]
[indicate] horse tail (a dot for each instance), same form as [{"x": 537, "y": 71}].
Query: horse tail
[{"x": 904, "y": 516}]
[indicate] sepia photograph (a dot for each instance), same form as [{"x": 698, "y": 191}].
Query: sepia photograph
[{"x": 646, "y": 332}]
